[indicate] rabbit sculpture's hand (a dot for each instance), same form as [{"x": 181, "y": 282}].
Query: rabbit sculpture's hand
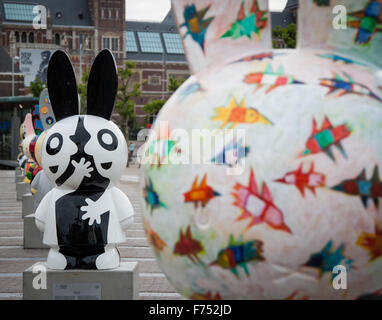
[
  {"x": 93, "y": 211},
  {"x": 82, "y": 168}
]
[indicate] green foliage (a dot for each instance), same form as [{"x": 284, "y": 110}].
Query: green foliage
[
  {"x": 288, "y": 34},
  {"x": 153, "y": 107},
  {"x": 174, "y": 84},
  {"x": 36, "y": 87},
  {"x": 83, "y": 90},
  {"x": 125, "y": 94}
]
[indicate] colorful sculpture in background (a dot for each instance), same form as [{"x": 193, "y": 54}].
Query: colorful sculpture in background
[
  {"x": 28, "y": 148},
  {"x": 84, "y": 216},
  {"x": 21, "y": 157},
  {"x": 312, "y": 119},
  {"x": 40, "y": 184},
  {"x": 32, "y": 136}
]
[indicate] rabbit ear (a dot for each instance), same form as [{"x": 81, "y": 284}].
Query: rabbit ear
[
  {"x": 62, "y": 86},
  {"x": 102, "y": 85},
  {"x": 219, "y": 31},
  {"x": 350, "y": 27}
]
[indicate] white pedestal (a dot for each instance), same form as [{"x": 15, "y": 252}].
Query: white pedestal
[
  {"x": 32, "y": 235},
  {"x": 117, "y": 284},
  {"x": 27, "y": 204},
  {"x": 21, "y": 189}
]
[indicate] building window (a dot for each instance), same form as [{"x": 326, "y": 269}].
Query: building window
[
  {"x": 114, "y": 44},
  {"x": 109, "y": 13},
  {"x": 57, "y": 39},
  {"x": 19, "y": 12},
  {"x": 131, "y": 44},
  {"x": 106, "y": 43},
  {"x": 24, "y": 37},
  {"x": 17, "y": 36},
  {"x": 173, "y": 43},
  {"x": 154, "y": 80},
  {"x": 150, "y": 42},
  {"x": 116, "y": 14},
  {"x": 31, "y": 37},
  {"x": 103, "y": 5},
  {"x": 89, "y": 43}
]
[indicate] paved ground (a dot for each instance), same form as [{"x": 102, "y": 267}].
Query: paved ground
[{"x": 14, "y": 259}]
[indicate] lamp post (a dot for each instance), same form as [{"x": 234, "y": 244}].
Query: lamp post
[
  {"x": 80, "y": 61},
  {"x": 13, "y": 74},
  {"x": 163, "y": 73}
]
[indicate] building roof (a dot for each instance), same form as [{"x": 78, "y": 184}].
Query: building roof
[
  {"x": 63, "y": 13},
  {"x": 286, "y": 17},
  {"x": 154, "y": 41},
  {"x": 6, "y": 62}
]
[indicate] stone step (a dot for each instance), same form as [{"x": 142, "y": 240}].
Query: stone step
[
  {"x": 11, "y": 241},
  {"x": 11, "y": 226},
  {"x": 17, "y": 252},
  {"x": 135, "y": 252},
  {"x": 12, "y": 233}
]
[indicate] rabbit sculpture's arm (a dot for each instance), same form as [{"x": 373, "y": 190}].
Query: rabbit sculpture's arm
[
  {"x": 81, "y": 169},
  {"x": 125, "y": 210},
  {"x": 43, "y": 210},
  {"x": 94, "y": 209}
]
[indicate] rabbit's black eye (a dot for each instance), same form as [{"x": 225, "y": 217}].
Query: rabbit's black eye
[
  {"x": 107, "y": 139},
  {"x": 54, "y": 144}
]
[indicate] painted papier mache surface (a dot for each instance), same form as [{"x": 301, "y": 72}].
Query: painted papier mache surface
[
  {"x": 307, "y": 197},
  {"x": 84, "y": 215},
  {"x": 43, "y": 118}
]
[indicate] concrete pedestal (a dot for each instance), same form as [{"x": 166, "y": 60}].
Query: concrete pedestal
[
  {"x": 32, "y": 235},
  {"x": 27, "y": 204},
  {"x": 19, "y": 178},
  {"x": 21, "y": 189},
  {"x": 40, "y": 283},
  {"x": 18, "y": 174}
]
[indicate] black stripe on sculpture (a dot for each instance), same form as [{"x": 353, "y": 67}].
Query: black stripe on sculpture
[
  {"x": 102, "y": 85},
  {"x": 62, "y": 86}
]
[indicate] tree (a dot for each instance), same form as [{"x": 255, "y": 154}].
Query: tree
[
  {"x": 124, "y": 102},
  {"x": 288, "y": 34},
  {"x": 153, "y": 107},
  {"x": 36, "y": 87},
  {"x": 174, "y": 84},
  {"x": 83, "y": 90}
]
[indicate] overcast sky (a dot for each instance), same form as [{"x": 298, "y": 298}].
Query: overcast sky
[
  {"x": 156, "y": 10},
  {"x": 148, "y": 10}
]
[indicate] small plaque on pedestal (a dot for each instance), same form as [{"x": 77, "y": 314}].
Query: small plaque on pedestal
[{"x": 41, "y": 283}]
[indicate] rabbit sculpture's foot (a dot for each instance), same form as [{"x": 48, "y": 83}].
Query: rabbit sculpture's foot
[
  {"x": 109, "y": 259},
  {"x": 56, "y": 260}
]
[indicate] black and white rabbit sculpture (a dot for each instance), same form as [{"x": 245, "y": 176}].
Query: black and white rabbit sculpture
[{"x": 84, "y": 216}]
